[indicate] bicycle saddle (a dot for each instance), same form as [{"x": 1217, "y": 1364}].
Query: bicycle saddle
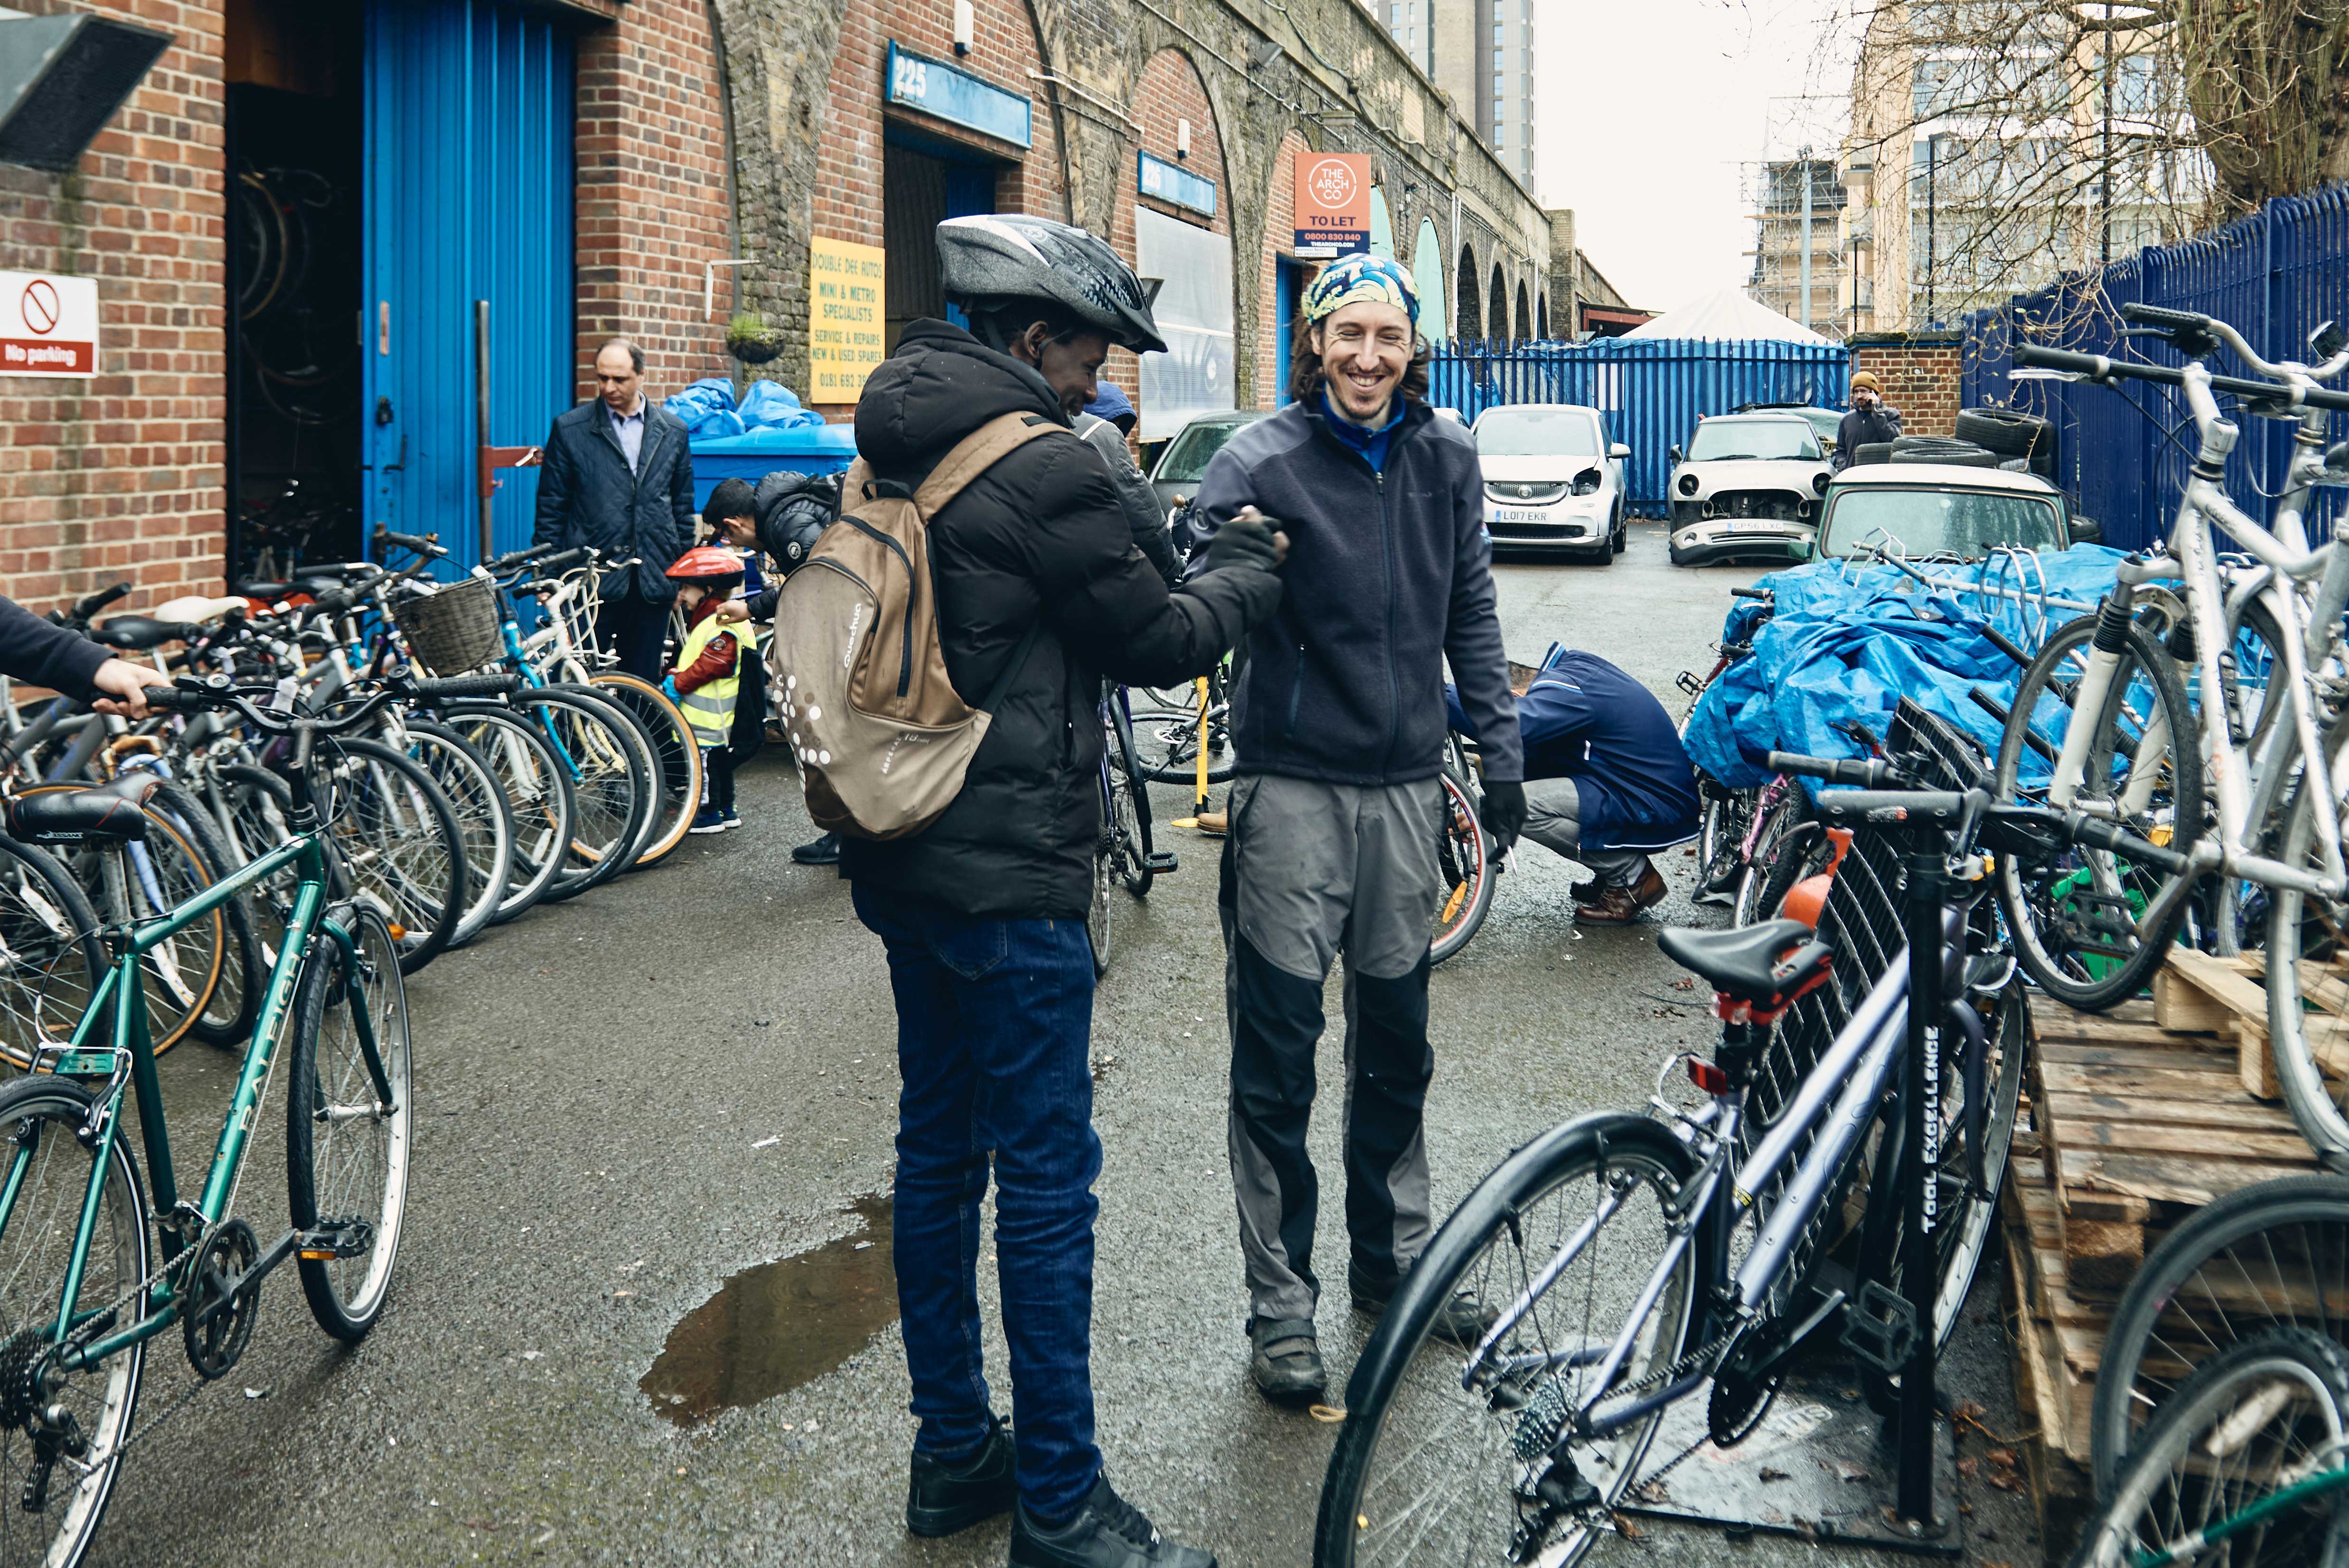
[
  {"x": 109, "y": 811},
  {"x": 139, "y": 631},
  {"x": 1764, "y": 966},
  {"x": 270, "y": 592}
]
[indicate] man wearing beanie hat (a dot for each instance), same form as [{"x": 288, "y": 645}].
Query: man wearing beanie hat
[{"x": 1870, "y": 419}]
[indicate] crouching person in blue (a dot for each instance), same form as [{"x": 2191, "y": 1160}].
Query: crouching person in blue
[{"x": 1607, "y": 781}]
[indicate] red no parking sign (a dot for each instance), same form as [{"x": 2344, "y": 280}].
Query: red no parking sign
[{"x": 48, "y": 324}]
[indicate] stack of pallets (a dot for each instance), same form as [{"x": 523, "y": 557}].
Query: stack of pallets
[{"x": 2138, "y": 1117}]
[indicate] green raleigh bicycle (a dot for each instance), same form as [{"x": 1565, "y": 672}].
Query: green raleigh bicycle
[{"x": 91, "y": 1271}]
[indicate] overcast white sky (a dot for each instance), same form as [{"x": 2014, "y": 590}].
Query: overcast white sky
[{"x": 1646, "y": 108}]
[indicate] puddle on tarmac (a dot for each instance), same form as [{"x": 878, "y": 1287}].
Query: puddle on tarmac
[{"x": 772, "y": 1327}]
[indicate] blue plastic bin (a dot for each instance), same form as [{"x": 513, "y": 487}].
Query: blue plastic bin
[{"x": 808, "y": 450}]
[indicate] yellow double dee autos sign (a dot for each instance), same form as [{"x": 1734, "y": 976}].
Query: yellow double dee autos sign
[{"x": 846, "y": 334}]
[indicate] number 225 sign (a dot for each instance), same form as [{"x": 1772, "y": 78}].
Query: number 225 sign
[{"x": 48, "y": 324}]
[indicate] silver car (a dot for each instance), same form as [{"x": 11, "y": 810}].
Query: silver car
[
  {"x": 1747, "y": 489},
  {"x": 1552, "y": 479}
]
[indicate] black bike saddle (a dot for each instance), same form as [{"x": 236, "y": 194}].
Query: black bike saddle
[
  {"x": 139, "y": 631},
  {"x": 1765, "y": 966},
  {"x": 110, "y": 811}
]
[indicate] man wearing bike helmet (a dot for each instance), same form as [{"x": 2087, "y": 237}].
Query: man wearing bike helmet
[
  {"x": 1339, "y": 725},
  {"x": 983, "y": 911}
]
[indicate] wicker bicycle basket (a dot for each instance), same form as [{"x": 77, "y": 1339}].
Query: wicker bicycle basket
[{"x": 454, "y": 630}]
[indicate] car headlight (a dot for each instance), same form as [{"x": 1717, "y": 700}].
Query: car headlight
[
  {"x": 1688, "y": 484},
  {"x": 1819, "y": 482}
]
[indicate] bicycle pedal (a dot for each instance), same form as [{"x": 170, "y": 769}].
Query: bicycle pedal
[
  {"x": 1161, "y": 861},
  {"x": 1880, "y": 1329}
]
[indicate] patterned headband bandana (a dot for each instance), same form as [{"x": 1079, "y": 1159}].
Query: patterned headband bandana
[{"x": 1358, "y": 278}]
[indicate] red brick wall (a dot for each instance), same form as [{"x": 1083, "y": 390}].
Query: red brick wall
[
  {"x": 653, "y": 202},
  {"x": 1279, "y": 239},
  {"x": 1170, "y": 91},
  {"x": 122, "y": 475},
  {"x": 1920, "y": 376},
  {"x": 848, "y": 191}
]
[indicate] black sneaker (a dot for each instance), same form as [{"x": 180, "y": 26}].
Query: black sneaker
[
  {"x": 946, "y": 1497},
  {"x": 824, "y": 851},
  {"x": 1285, "y": 1361},
  {"x": 1463, "y": 1320},
  {"x": 1107, "y": 1533}
]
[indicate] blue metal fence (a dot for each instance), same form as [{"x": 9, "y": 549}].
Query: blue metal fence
[
  {"x": 1652, "y": 391},
  {"x": 2275, "y": 276}
]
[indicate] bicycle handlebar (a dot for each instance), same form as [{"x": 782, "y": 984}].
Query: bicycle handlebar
[
  {"x": 423, "y": 544},
  {"x": 2098, "y": 368},
  {"x": 1867, "y": 772},
  {"x": 1762, "y": 593},
  {"x": 85, "y": 608},
  {"x": 514, "y": 558}
]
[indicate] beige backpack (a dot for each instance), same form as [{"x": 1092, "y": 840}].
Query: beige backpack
[{"x": 882, "y": 736}]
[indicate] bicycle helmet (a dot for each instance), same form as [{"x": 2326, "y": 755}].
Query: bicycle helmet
[
  {"x": 993, "y": 260},
  {"x": 706, "y": 566}
]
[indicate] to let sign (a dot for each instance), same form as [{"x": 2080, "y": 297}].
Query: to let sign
[
  {"x": 1333, "y": 204},
  {"x": 48, "y": 324},
  {"x": 847, "y": 285}
]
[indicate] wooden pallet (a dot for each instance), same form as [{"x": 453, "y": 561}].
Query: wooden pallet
[
  {"x": 2228, "y": 997},
  {"x": 2051, "y": 1394}
]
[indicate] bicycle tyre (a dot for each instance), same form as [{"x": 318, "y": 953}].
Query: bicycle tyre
[
  {"x": 51, "y": 930},
  {"x": 2184, "y": 1472},
  {"x": 1097, "y": 910},
  {"x": 1778, "y": 834},
  {"x": 1167, "y": 734},
  {"x": 411, "y": 863},
  {"x": 46, "y": 1113},
  {"x": 1463, "y": 863},
  {"x": 2187, "y": 1300},
  {"x": 327, "y": 1080},
  {"x": 1720, "y": 831},
  {"x": 638, "y": 737},
  {"x": 675, "y": 748},
  {"x": 609, "y": 786},
  {"x": 228, "y": 1016},
  {"x": 2300, "y": 928},
  {"x": 538, "y": 797},
  {"x": 255, "y": 811},
  {"x": 2065, "y": 969},
  {"x": 1130, "y": 801},
  {"x": 1510, "y": 1205},
  {"x": 484, "y": 819}
]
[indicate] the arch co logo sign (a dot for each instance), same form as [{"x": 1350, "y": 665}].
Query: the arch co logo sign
[
  {"x": 1333, "y": 204},
  {"x": 48, "y": 324}
]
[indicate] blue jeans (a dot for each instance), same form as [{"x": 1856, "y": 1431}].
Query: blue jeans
[{"x": 994, "y": 1029}]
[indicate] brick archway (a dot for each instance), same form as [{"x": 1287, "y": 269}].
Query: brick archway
[
  {"x": 1497, "y": 301},
  {"x": 1525, "y": 323},
  {"x": 1170, "y": 90},
  {"x": 1279, "y": 243},
  {"x": 1468, "y": 299}
]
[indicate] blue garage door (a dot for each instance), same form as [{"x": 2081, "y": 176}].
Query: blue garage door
[{"x": 469, "y": 197}]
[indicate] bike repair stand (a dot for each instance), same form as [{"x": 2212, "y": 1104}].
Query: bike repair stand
[{"x": 1821, "y": 1464}]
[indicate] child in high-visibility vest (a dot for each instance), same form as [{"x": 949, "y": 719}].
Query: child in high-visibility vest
[{"x": 708, "y": 674}]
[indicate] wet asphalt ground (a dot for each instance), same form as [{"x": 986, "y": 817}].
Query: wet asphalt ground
[{"x": 627, "y": 1100}]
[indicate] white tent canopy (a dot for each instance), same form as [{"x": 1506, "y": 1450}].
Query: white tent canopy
[{"x": 1727, "y": 316}]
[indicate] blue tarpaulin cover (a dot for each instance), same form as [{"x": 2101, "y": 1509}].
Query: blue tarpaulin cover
[
  {"x": 710, "y": 412},
  {"x": 1847, "y": 642}
]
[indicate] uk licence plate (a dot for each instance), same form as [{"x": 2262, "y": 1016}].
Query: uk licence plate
[
  {"x": 1757, "y": 528},
  {"x": 1521, "y": 514}
]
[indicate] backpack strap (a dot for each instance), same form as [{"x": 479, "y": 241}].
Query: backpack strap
[{"x": 977, "y": 453}]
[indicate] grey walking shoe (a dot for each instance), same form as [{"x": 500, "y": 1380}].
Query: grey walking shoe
[{"x": 1285, "y": 1361}]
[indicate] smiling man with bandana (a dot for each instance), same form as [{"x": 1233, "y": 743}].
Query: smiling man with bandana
[{"x": 1339, "y": 725}]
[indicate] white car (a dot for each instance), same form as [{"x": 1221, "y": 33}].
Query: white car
[
  {"x": 1552, "y": 479},
  {"x": 1748, "y": 489}
]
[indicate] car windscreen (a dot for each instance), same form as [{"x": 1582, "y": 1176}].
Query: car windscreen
[
  {"x": 1187, "y": 461},
  {"x": 1536, "y": 433},
  {"x": 1718, "y": 440},
  {"x": 1965, "y": 523}
]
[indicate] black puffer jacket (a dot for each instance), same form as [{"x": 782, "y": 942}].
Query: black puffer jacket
[
  {"x": 789, "y": 510},
  {"x": 1041, "y": 535}
]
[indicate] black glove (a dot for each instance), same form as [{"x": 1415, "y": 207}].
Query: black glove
[
  {"x": 1243, "y": 541},
  {"x": 1504, "y": 811}
]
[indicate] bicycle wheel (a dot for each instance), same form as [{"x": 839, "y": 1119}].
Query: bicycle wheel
[
  {"x": 227, "y": 1017},
  {"x": 1167, "y": 734},
  {"x": 2275, "y": 1254},
  {"x": 50, "y": 958},
  {"x": 1129, "y": 799},
  {"x": 51, "y": 1171},
  {"x": 396, "y": 840},
  {"x": 345, "y": 1145},
  {"x": 1097, "y": 914},
  {"x": 2218, "y": 1478},
  {"x": 2305, "y": 932},
  {"x": 1721, "y": 838},
  {"x": 597, "y": 748},
  {"x": 676, "y": 753},
  {"x": 639, "y": 739},
  {"x": 538, "y": 791},
  {"x": 2075, "y": 918},
  {"x": 1778, "y": 833},
  {"x": 255, "y": 811},
  {"x": 142, "y": 881},
  {"x": 1447, "y": 1456},
  {"x": 484, "y": 826},
  {"x": 1464, "y": 864}
]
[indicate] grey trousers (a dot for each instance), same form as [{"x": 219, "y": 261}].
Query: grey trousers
[
  {"x": 1311, "y": 871},
  {"x": 1553, "y": 820}
]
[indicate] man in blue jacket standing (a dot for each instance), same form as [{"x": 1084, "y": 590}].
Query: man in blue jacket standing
[
  {"x": 1606, "y": 780},
  {"x": 1338, "y": 724},
  {"x": 617, "y": 475}
]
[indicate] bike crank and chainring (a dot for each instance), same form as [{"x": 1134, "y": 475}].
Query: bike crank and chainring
[{"x": 214, "y": 1324}]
